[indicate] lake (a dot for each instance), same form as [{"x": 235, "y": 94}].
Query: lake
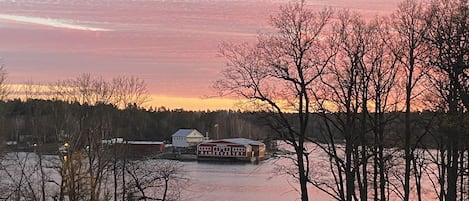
[
  {"x": 208, "y": 181},
  {"x": 223, "y": 181},
  {"x": 242, "y": 182}
]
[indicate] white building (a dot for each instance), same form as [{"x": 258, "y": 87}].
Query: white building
[{"x": 187, "y": 137}]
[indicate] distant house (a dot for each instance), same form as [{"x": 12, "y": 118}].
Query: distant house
[
  {"x": 186, "y": 137},
  {"x": 234, "y": 148}
]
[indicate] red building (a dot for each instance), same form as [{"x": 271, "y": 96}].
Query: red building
[
  {"x": 234, "y": 148},
  {"x": 144, "y": 147},
  {"x": 136, "y": 148}
]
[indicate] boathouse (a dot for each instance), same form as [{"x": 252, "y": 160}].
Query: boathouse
[{"x": 233, "y": 148}]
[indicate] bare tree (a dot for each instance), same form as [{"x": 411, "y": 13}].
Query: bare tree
[
  {"x": 81, "y": 130},
  {"x": 278, "y": 74},
  {"x": 130, "y": 91},
  {"x": 384, "y": 96},
  {"x": 21, "y": 177},
  {"x": 409, "y": 46},
  {"x": 4, "y": 87},
  {"x": 361, "y": 77},
  {"x": 154, "y": 180},
  {"x": 447, "y": 39},
  {"x": 4, "y": 93},
  {"x": 344, "y": 95}
]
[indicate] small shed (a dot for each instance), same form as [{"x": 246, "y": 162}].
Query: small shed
[{"x": 184, "y": 138}]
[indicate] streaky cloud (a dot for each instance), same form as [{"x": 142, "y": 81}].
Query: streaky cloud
[{"x": 57, "y": 23}]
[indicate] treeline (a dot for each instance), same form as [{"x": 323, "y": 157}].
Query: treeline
[
  {"x": 36, "y": 121},
  {"x": 87, "y": 109}
]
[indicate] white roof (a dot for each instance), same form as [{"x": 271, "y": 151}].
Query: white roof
[
  {"x": 242, "y": 141},
  {"x": 122, "y": 141},
  {"x": 186, "y": 132},
  {"x": 144, "y": 142},
  {"x": 113, "y": 141}
]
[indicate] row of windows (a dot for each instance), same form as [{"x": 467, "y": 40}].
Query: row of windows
[
  {"x": 202, "y": 148},
  {"x": 238, "y": 149},
  {"x": 222, "y": 149},
  {"x": 216, "y": 153}
]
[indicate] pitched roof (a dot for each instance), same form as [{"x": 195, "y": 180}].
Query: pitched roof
[
  {"x": 242, "y": 141},
  {"x": 185, "y": 132}
]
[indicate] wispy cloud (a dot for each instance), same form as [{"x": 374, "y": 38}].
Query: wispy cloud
[{"x": 50, "y": 22}]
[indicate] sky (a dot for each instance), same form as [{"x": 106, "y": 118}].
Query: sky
[{"x": 171, "y": 44}]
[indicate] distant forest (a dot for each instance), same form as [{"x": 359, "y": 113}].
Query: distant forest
[
  {"x": 36, "y": 121},
  {"x": 52, "y": 121}
]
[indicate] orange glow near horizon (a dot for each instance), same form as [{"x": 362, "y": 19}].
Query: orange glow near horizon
[
  {"x": 154, "y": 101},
  {"x": 171, "y": 45},
  {"x": 192, "y": 104}
]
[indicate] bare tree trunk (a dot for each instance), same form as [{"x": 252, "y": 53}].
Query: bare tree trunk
[
  {"x": 349, "y": 173},
  {"x": 124, "y": 190},
  {"x": 291, "y": 59},
  {"x": 166, "y": 180},
  {"x": 461, "y": 175},
  {"x": 302, "y": 171},
  {"x": 447, "y": 37},
  {"x": 43, "y": 178},
  {"x": 114, "y": 172},
  {"x": 417, "y": 176},
  {"x": 442, "y": 180}
]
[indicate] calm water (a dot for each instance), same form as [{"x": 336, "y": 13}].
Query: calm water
[
  {"x": 242, "y": 182},
  {"x": 203, "y": 181},
  {"x": 209, "y": 181},
  {"x": 249, "y": 182}
]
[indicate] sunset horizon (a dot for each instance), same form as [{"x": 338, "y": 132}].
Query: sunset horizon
[
  {"x": 234, "y": 100},
  {"x": 171, "y": 45}
]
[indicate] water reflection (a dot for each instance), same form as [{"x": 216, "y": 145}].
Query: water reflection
[{"x": 242, "y": 182}]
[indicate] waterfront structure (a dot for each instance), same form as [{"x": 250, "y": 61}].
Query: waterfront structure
[
  {"x": 184, "y": 138},
  {"x": 233, "y": 148},
  {"x": 136, "y": 148},
  {"x": 145, "y": 147}
]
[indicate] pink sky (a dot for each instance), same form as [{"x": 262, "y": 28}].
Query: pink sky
[{"x": 171, "y": 44}]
